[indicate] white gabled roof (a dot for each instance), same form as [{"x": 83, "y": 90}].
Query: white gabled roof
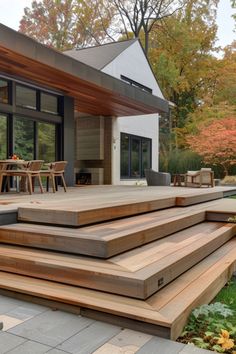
[{"x": 100, "y": 56}]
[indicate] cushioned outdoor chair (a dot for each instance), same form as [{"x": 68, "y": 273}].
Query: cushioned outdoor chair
[
  {"x": 155, "y": 178},
  {"x": 204, "y": 177}
]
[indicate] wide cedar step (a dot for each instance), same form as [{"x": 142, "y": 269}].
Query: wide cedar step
[
  {"x": 138, "y": 273},
  {"x": 102, "y": 207},
  {"x": 103, "y": 240},
  {"x": 163, "y": 314}
]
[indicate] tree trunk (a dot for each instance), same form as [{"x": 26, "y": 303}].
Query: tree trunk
[{"x": 146, "y": 44}]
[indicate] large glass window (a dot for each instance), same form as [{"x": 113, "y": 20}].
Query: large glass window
[
  {"x": 23, "y": 131},
  {"x": 135, "y": 155},
  {"x": 34, "y": 139},
  {"x": 26, "y": 97},
  {"x": 46, "y": 142},
  {"x": 124, "y": 156},
  {"x": 3, "y": 136},
  {"x": 146, "y": 154},
  {"x": 4, "y": 89},
  {"x": 49, "y": 103}
]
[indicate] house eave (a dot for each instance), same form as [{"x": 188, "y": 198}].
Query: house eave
[{"x": 94, "y": 92}]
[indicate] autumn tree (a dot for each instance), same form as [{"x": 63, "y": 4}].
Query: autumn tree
[
  {"x": 140, "y": 16},
  {"x": 182, "y": 59},
  {"x": 64, "y": 24},
  {"x": 216, "y": 142},
  {"x": 233, "y": 3}
]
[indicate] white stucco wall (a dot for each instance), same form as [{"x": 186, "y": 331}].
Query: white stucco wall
[
  {"x": 133, "y": 64},
  {"x": 146, "y": 126}
]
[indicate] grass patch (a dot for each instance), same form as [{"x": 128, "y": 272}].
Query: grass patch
[
  {"x": 213, "y": 326},
  {"x": 227, "y": 295}
]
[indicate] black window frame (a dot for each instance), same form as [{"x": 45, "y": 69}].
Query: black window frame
[
  {"x": 9, "y": 96},
  {"x": 12, "y": 110},
  {"x": 53, "y": 95},
  {"x": 141, "y": 139},
  {"x": 36, "y": 97},
  {"x": 136, "y": 84}
]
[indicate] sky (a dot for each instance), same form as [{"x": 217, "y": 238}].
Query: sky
[{"x": 11, "y": 11}]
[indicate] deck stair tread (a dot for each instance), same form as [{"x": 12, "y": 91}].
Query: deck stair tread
[
  {"x": 167, "y": 310},
  {"x": 80, "y": 211},
  {"x": 137, "y": 273},
  {"x": 106, "y": 239}
]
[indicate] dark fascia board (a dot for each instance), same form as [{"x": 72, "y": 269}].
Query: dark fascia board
[{"x": 30, "y": 48}]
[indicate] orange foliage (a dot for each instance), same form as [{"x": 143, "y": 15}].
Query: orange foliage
[{"x": 216, "y": 142}]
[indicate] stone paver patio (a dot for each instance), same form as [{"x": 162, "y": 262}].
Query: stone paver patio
[{"x": 29, "y": 328}]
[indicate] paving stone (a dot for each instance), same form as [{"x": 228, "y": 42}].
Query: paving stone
[
  {"x": 8, "y": 304},
  {"x": 57, "y": 351},
  {"x": 192, "y": 349},
  {"x": 113, "y": 349},
  {"x": 128, "y": 337},
  {"x": 90, "y": 339},
  {"x": 24, "y": 313},
  {"x": 30, "y": 347},
  {"x": 9, "y": 341},
  {"x": 9, "y": 322},
  {"x": 51, "y": 327},
  {"x": 161, "y": 346}
]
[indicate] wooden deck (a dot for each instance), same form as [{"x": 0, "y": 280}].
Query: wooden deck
[
  {"x": 83, "y": 206},
  {"x": 142, "y": 257}
]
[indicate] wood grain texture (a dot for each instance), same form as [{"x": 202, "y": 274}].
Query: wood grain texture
[
  {"x": 138, "y": 273},
  {"x": 167, "y": 309},
  {"x": 102, "y": 240}
]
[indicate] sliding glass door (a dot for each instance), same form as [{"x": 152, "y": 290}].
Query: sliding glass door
[
  {"x": 23, "y": 133},
  {"x": 46, "y": 147},
  {"x": 135, "y": 155}
]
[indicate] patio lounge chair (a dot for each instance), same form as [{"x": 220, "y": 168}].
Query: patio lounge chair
[
  {"x": 204, "y": 177},
  {"x": 155, "y": 178}
]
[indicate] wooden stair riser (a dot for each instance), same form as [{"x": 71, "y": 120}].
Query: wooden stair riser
[
  {"x": 199, "y": 285},
  {"x": 189, "y": 257},
  {"x": 118, "y": 243},
  {"x": 140, "y": 284},
  {"x": 217, "y": 216},
  {"x": 195, "y": 199},
  {"x": 201, "y": 298},
  {"x": 45, "y": 241},
  {"x": 79, "y": 218},
  {"x": 147, "y": 235}
]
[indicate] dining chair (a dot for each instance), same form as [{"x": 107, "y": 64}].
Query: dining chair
[
  {"x": 3, "y": 173},
  {"x": 56, "y": 169},
  {"x": 29, "y": 172}
]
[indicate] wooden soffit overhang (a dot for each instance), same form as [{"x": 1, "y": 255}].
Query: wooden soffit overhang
[{"x": 94, "y": 92}]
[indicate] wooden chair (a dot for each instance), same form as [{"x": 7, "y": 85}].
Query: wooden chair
[
  {"x": 30, "y": 172},
  {"x": 55, "y": 170},
  {"x": 3, "y": 173},
  {"x": 204, "y": 177}
]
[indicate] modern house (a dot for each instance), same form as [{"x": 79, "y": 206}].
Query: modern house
[{"x": 97, "y": 108}]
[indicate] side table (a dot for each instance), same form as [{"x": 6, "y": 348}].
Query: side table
[{"x": 179, "y": 178}]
